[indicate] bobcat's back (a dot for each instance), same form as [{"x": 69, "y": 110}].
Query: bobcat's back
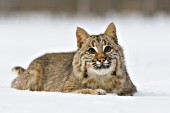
[{"x": 48, "y": 72}]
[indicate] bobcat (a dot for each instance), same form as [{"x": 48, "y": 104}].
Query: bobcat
[{"x": 97, "y": 68}]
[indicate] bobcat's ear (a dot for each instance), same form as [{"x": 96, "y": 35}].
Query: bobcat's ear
[
  {"x": 81, "y": 35},
  {"x": 111, "y": 32}
]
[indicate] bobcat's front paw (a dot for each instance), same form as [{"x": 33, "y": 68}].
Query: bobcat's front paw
[
  {"x": 100, "y": 92},
  {"x": 91, "y": 91}
]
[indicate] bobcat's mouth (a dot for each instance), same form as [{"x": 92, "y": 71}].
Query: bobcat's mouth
[
  {"x": 99, "y": 65},
  {"x": 102, "y": 66}
]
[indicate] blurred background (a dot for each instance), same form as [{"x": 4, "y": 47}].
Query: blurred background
[
  {"x": 73, "y": 7},
  {"x": 30, "y": 28}
]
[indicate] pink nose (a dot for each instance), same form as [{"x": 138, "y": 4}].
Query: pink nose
[{"x": 102, "y": 59}]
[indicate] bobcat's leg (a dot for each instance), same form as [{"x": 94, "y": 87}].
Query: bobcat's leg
[
  {"x": 35, "y": 80},
  {"x": 91, "y": 91},
  {"x": 128, "y": 88},
  {"x": 74, "y": 85}
]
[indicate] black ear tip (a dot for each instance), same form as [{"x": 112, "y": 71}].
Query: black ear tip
[{"x": 78, "y": 28}]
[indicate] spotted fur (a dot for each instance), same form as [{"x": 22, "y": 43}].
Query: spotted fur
[{"x": 97, "y": 67}]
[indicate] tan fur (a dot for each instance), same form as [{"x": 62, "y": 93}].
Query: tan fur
[{"x": 80, "y": 72}]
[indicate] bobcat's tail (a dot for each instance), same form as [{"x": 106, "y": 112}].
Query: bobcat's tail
[
  {"x": 18, "y": 82},
  {"x": 18, "y": 71}
]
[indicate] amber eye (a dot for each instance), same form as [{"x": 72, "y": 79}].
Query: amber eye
[
  {"x": 107, "y": 49},
  {"x": 91, "y": 50}
]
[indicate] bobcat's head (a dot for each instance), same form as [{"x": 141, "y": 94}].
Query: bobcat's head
[{"x": 97, "y": 55}]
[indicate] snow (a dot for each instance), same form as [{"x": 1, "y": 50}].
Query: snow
[{"x": 146, "y": 46}]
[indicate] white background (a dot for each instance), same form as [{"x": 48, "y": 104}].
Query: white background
[{"x": 146, "y": 45}]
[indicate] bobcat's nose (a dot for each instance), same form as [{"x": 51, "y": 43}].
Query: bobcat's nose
[{"x": 102, "y": 59}]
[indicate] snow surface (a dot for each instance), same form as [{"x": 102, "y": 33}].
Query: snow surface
[{"x": 146, "y": 46}]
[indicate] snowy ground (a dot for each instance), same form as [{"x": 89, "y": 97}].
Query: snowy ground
[{"x": 145, "y": 41}]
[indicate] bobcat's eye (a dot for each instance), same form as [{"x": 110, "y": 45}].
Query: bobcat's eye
[
  {"x": 107, "y": 49},
  {"x": 91, "y": 50}
]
